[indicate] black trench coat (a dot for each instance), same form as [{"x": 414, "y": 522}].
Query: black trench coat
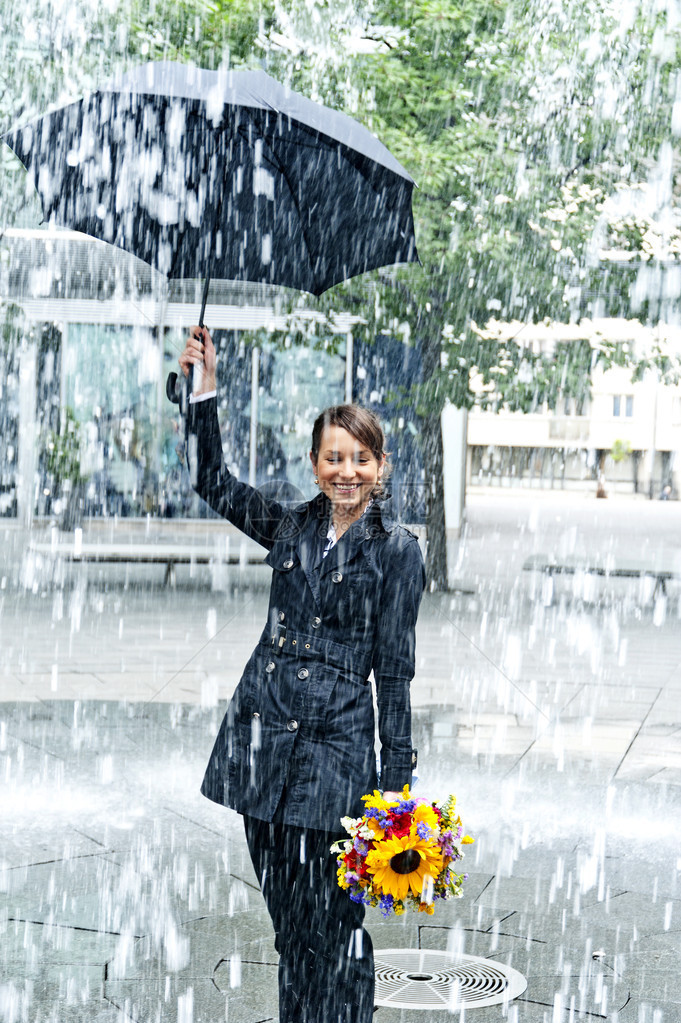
[{"x": 297, "y": 742}]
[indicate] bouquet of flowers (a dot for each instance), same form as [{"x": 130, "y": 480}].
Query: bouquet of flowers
[{"x": 401, "y": 853}]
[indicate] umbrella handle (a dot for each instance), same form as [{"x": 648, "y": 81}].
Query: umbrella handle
[
  {"x": 178, "y": 390},
  {"x": 174, "y": 390}
]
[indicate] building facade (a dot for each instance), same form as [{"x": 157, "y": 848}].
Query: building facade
[{"x": 627, "y": 437}]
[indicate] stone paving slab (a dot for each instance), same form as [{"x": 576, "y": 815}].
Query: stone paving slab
[{"x": 124, "y": 896}]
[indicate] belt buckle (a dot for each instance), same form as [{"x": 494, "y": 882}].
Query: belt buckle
[{"x": 279, "y": 638}]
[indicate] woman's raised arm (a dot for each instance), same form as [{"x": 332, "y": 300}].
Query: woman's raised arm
[{"x": 258, "y": 517}]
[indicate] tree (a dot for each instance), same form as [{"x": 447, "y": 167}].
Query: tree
[{"x": 539, "y": 134}]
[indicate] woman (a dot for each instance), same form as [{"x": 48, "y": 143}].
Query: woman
[{"x": 295, "y": 751}]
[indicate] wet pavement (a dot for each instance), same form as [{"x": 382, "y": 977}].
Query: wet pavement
[{"x": 125, "y": 897}]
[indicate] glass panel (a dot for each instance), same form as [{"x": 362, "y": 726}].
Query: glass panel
[
  {"x": 234, "y": 398},
  {"x": 616, "y": 404},
  {"x": 175, "y": 495},
  {"x": 48, "y": 403},
  {"x": 9, "y": 417},
  {"x": 111, "y": 389},
  {"x": 296, "y": 384},
  {"x": 384, "y": 371}
]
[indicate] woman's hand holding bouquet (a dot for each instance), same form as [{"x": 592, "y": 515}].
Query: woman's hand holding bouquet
[{"x": 401, "y": 853}]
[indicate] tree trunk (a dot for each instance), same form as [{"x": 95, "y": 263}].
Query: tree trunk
[
  {"x": 436, "y": 533},
  {"x": 433, "y": 461}
]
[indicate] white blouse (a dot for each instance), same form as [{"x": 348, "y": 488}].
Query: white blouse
[{"x": 331, "y": 538}]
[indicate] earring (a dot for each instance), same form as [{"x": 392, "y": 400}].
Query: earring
[{"x": 316, "y": 480}]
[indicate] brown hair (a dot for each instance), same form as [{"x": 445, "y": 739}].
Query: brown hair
[{"x": 362, "y": 424}]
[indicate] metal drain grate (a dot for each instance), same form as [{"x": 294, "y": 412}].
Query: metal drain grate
[{"x": 412, "y": 978}]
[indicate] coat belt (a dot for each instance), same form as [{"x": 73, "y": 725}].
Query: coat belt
[{"x": 285, "y": 642}]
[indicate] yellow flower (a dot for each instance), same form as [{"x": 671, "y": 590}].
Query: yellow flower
[
  {"x": 467, "y": 840},
  {"x": 377, "y": 802},
  {"x": 388, "y": 880},
  {"x": 426, "y": 907},
  {"x": 373, "y": 825},
  {"x": 424, "y": 814}
]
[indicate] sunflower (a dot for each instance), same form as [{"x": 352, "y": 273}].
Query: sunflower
[{"x": 388, "y": 880}]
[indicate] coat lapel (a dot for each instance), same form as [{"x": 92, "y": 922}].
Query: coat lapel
[
  {"x": 350, "y": 544},
  {"x": 311, "y": 544}
]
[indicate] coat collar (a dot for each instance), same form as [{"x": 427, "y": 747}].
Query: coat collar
[
  {"x": 312, "y": 538},
  {"x": 371, "y": 525}
]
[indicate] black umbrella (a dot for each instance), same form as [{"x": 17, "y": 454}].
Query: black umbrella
[{"x": 224, "y": 174}]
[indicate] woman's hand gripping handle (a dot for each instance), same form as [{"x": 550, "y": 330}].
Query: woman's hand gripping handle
[
  {"x": 197, "y": 363},
  {"x": 199, "y": 352}
]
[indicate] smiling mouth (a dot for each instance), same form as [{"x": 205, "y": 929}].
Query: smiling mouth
[{"x": 346, "y": 488}]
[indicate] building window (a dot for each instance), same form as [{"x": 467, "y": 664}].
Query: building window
[{"x": 623, "y": 404}]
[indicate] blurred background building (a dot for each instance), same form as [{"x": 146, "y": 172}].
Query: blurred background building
[
  {"x": 625, "y": 435},
  {"x": 90, "y": 335}
]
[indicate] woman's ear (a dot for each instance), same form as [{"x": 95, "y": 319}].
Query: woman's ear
[{"x": 314, "y": 463}]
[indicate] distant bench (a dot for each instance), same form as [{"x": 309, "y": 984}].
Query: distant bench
[
  {"x": 168, "y": 554},
  {"x": 615, "y": 568}
]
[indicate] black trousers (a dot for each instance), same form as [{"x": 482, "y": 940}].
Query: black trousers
[{"x": 326, "y": 963}]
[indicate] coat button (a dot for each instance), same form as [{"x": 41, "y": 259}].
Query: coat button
[
  {"x": 281, "y": 616},
  {"x": 256, "y": 715},
  {"x": 292, "y": 725},
  {"x": 269, "y": 667},
  {"x": 288, "y": 563},
  {"x": 336, "y": 577},
  {"x": 316, "y": 622},
  {"x": 303, "y": 673}
]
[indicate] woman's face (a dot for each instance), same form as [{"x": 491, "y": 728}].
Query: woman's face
[{"x": 346, "y": 470}]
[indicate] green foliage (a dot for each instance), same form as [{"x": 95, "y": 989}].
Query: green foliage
[
  {"x": 62, "y": 450},
  {"x": 621, "y": 449},
  {"x": 529, "y": 381},
  {"x": 11, "y": 318},
  {"x": 204, "y": 32}
]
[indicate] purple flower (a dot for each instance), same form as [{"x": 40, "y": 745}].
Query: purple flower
[
  {"x": 423, "y": 831},
  {"x": 386, "y": 904},
  {"x": 360, "y": 847}
]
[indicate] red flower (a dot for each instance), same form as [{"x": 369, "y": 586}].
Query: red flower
[
  {"x": 355, "y": 863},
  {"x": 400, "y": 826}
]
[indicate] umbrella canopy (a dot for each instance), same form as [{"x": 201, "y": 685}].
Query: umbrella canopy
[{"x": 225, "y": 174}]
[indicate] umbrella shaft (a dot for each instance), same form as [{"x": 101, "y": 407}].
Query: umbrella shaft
[{"x": 203, "y": 302}]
